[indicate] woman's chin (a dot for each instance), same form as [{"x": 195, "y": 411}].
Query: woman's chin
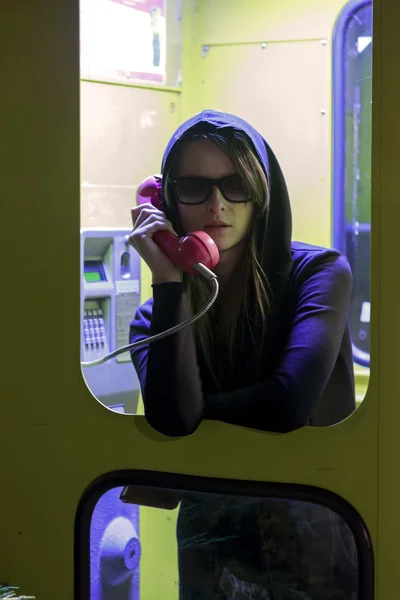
[
  {"x": 228, "y": 249},
  {"x": 222, "y": 247}
]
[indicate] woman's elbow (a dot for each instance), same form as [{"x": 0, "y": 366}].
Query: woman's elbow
[
  {"x": 289, "y": 420},
  {"x": 290, "y": 425},
  {"x": 171, "y": 425}
]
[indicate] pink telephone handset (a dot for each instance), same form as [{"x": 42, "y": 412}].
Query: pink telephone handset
[
  {"x": 185, "y": 252},
  {"x": 195, "y": 253}
]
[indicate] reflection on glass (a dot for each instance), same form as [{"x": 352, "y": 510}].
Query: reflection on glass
[
  {"x": 352, "y": 160},
  {"x": 233, "y": 548},
  {"x": 227, "y": 548}
]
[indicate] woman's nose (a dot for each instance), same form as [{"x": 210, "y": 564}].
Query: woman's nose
[{"x": 216, "y": 201}]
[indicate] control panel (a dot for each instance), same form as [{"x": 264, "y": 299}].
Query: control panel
[{"x": 110, "y": 296}]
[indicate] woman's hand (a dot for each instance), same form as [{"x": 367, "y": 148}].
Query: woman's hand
[{"x": 147, "y": 220}]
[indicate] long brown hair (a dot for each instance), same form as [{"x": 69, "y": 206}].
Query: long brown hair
[{"x": 248, "y": 294}]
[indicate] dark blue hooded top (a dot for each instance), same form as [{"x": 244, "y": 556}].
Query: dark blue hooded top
[{"x": 300, "y": 373}]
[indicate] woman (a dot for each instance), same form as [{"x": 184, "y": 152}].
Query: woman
[{"x": 273, "y": 353}]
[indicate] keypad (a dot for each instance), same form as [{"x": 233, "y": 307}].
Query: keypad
[{"x": 93, "y": 328}]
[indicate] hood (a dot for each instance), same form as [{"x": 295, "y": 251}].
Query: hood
[{"x": 276, "y": 246}]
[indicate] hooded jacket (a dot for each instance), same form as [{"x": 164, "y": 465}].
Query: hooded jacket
[
  {"x": 304, "y": 371},
  {"x": 300, "y": 372}
]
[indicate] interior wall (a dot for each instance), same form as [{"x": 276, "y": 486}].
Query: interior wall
[
  {"x": 123, "y": 132},
  {"x": 271, "y": 64},
  {"x": 124, "y": 128},
  {"x": 280, "y": 89},
  {"x": 266, "y": 20}
]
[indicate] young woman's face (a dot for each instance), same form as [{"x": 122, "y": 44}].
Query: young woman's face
[{"x": 226, "y": 222}]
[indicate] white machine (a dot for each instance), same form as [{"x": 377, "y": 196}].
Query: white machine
[{"x": 110, "y": 296}]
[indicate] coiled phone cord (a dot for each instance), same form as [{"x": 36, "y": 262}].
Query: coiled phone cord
[{"x": 202, "y": 270}]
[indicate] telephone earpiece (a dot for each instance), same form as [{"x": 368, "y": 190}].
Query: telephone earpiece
[
  {"x": 196, "y": 247},
  {"x": 150, "y": 190}
]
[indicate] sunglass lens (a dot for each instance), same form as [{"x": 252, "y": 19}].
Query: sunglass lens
[
  {"x": 233, "y": 189},
  {"x": 192, "y": 190}
]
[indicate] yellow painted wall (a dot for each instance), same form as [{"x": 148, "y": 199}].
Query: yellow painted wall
[
  {"x": 232, "y": 21},
  {"x": 53, "y": 434},
  {"x": 283, "y": 89}
]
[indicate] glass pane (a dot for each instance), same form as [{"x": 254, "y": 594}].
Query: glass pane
[
  {"x": 125, "y": 129},
  {"x": 352, "y": 174},
  {"x": 204, "y": 546}
]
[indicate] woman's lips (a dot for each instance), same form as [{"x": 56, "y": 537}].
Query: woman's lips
[{"x": 217, "y": 228}]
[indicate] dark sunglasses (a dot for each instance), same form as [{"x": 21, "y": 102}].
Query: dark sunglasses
[{"x": 196, "y": 190}]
